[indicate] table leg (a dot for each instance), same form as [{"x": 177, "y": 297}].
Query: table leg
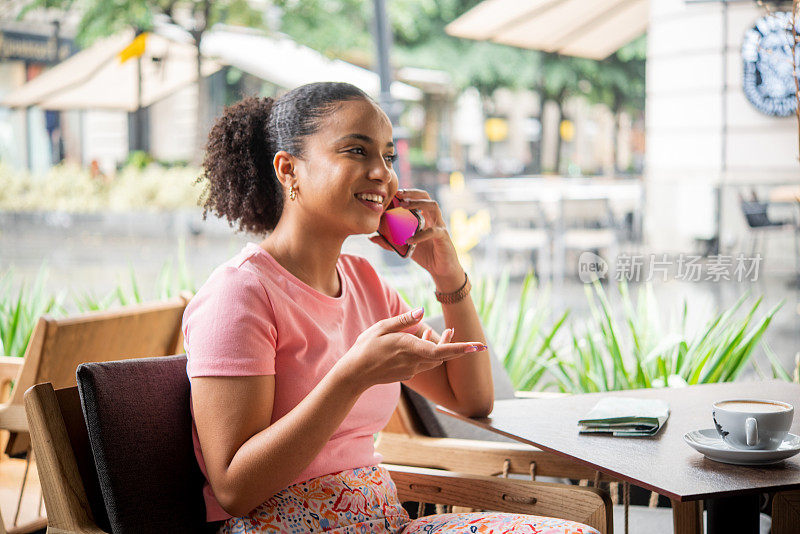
[
  {"x": 687, "y": 517},
  {"x": 785, "y": 512},
  {"x": 733, "y": 514}
]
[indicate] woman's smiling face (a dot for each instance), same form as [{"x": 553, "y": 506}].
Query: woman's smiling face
[{"x": 345, "y": 179}]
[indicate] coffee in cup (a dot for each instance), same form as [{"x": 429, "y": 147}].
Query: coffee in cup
[{"x": 752, "y": 423}]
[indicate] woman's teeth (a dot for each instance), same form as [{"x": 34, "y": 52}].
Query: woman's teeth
[{"x": 370, "y": 197}]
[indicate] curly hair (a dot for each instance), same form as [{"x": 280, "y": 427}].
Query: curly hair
[{"x": 241, "y": 184}]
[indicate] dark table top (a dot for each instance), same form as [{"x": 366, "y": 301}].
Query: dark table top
[{"x": 663, "y": 463}]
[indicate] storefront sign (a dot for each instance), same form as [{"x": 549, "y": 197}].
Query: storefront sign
[
  {"x": 768, "y": 79},
  {"x": 33, "y": 47}
]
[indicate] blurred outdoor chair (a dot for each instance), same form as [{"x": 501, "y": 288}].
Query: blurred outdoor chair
[
  {"x": 58, "y": 345},
  {"x": 760, "y": 224},
  {"x": 520, "y": 237},
  {"x": 459, "y": 199},
  {"x": 116, "y": 456},
  {"x": 585, "y": 224}
]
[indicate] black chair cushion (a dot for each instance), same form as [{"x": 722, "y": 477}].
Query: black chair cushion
[
  {"x": 139, "y": 426},
  {"x": 438, "y": 425}
]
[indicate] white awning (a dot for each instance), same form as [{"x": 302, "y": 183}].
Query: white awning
[
  {"x": 285, "y": 63},
  {"x": 96, "y": 79},
  {"x": 592, "y": 29}
]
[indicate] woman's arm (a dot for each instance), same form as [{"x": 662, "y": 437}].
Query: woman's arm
[
  {"x": 462, "y": 384},
  {"x": 247, "y": 459}
]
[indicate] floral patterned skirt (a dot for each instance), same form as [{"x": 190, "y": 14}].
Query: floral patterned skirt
[{"x": 364, "y": 500}]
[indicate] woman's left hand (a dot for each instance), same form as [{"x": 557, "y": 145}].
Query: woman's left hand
[{"x": 434, "y": 249}]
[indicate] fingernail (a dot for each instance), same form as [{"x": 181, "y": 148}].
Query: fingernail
[
  {"x": 416, "y": 314},
  {"x": 453, "y": 331},
  {"x": 478, "y": 347},
  {"x": 471, "y": 348}
]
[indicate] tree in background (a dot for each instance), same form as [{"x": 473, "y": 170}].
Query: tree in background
[
  {"x": 558, "y": 79},
  {"x": 101, "y": 18},
  {"x": 342, "y": 28},
  {"x": 618, "y": 82}
]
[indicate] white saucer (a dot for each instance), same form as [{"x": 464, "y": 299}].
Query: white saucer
[{"x": 708, "y": 442}]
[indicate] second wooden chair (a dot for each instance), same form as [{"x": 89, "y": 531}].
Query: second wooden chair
[{"x": 58, "y": 345}]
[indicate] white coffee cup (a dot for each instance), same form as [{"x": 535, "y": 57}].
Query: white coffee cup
[{"x": 753, "y": 424}]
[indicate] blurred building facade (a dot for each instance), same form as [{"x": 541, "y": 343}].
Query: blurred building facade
[
  {"x": 32, "y": 138},
  {"x": 706, "y": 143}
]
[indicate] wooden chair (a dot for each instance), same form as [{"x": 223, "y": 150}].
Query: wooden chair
[
  {"x": 58, "y": 345},
  {"x": 115, "y": 455}
]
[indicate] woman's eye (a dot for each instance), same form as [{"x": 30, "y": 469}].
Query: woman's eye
[
  {"x": 357, "y": 150},
  {"x": 391, "y": 158}
]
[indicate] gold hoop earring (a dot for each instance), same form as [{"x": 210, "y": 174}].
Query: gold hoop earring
[{"x": 292, "y": 193}]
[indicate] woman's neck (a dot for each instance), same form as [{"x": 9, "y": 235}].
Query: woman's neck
[{"x": 308, "y": 255}]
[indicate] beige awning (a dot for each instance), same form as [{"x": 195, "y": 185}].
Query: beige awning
[
  {"x": 95, "y": 78},
  {"x": 585, "y": 28}
]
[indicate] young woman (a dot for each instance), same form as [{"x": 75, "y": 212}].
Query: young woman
[{"x": 296, "y": 351}]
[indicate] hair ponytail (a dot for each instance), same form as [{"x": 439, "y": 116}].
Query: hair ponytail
[{"x": 241, "y": 183}]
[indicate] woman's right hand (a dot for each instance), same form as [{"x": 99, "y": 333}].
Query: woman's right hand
[{"x": 385, "y": 352}]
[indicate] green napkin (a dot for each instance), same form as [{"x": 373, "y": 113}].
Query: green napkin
[{"x": 626, "y": 416}]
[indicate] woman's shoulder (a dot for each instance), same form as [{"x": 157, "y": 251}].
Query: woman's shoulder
[
  {"x": 234, "y": 281},
  {"x": 228, "y": 278},
  {"x": 238, "y": 271}
]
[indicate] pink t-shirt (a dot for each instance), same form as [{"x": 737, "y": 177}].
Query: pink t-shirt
[{"x": 253, "y": 317}]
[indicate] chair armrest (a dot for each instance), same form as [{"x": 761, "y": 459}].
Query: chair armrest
[
  {"x": 477, "y": 457},
  {"x": 68, "y": 509},
  {"x": 539, "y": 394},
  {"x": 590, "y": 506}
]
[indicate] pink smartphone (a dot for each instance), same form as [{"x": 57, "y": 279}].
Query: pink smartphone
[{"x": 397, "y": 225}]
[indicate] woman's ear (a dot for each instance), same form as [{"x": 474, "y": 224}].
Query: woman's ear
[{"x": 283, "y": 162}]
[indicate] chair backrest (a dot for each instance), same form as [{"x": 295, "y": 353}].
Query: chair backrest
[
  {"x": 123, "y": 451},
  {"x": 586, "y": 213},
  {"x": 451, "y": 200},
  {"x": 140, "y": 431},
  {"x": 416, "y": 415},
  {"x": 58, "y": 345},
  {"x": 508, "y": 213},
  {"x": 755, "y": 213}
]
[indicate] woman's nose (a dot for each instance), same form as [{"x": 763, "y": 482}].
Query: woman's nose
[{"x": 381, "y": 171}]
